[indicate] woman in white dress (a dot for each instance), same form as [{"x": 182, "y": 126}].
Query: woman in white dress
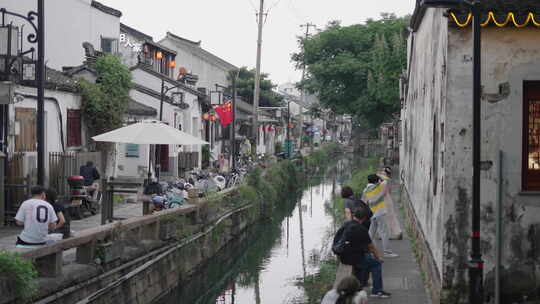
[{"x": 393, "y": 223}]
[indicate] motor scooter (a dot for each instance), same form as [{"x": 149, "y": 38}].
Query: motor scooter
[{"x": 80, "y": 198}]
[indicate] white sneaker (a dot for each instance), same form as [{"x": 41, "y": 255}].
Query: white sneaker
[{"x": 389, "y": 254}]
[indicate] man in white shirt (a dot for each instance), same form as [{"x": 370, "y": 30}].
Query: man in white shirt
[{"x": 37, "y": 216}]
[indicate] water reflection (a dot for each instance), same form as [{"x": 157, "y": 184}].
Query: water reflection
[{"x": 266, "y": 263}]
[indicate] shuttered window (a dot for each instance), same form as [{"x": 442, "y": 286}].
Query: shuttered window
[{"x": 74, "y": 128}]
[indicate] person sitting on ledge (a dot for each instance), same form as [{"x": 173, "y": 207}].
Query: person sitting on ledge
[{"x": 38, "y": 217}]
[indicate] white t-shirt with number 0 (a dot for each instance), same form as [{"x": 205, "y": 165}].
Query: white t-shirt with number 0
[{"x": 36, "y": 215}]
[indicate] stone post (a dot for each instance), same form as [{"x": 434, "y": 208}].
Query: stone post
[
  {"x": 193, "y": 196},
  {"x": 2, "y": 190}
]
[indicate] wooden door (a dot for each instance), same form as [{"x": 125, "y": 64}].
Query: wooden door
[{"x": 26, "y": 138}]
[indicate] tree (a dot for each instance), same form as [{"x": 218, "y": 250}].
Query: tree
[
  {"x": 245, "y": 85},
  {"x": 355, "y": 69},
  {"x": 104, "y": 103}
]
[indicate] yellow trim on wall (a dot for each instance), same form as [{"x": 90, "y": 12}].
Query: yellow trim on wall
[{"x": 510, "y": 17}]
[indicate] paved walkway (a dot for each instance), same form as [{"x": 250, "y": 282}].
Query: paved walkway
[
  {"x": 8, "y": 235},
  {"x": 401, "y": 275}
]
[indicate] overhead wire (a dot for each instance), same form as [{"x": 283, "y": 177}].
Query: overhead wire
[{"x": 296, "y": 13}]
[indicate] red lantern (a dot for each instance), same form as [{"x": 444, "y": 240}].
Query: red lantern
[
  {"x": 213, "y": 117},
  {"x": 206, "y": 116}
]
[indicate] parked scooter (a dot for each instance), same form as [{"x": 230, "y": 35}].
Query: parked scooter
[{"x": 80, "y": 198}]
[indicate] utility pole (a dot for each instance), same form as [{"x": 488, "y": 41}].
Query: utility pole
[
  {"x": 302, "y": 93},
  {"x": 40, "y": 79},
  {"x": 233, "y": 124},
  {"x": 257, "y": 91}
]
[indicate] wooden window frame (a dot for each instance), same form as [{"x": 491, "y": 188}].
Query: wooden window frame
[
  {"x": 115, "y": 45},
  {"x": 530, "y": 180}
]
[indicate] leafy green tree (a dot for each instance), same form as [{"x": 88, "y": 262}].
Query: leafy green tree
[
  {"x": 104, "y": 103},
  {"x": 355, "y": 69},
  {"x": 245, "y": 85}
]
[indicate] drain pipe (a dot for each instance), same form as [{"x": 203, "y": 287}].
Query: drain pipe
[
  {"x": 60, "y": 118},
  {"x": 498, "y": 242}
]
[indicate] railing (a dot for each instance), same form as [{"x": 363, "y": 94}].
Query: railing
[{"x": 48, "y": 259}]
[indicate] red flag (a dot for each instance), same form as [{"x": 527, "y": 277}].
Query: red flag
[{"x": 225, "y": 113}]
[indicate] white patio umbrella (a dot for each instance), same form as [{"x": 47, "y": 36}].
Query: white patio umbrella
[{"x": 150, "y": 133}]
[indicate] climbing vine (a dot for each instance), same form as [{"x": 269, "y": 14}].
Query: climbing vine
[{"x": 104, "y": 103}]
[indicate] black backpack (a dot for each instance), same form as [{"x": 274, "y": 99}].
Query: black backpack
[
  {"x": 341, "y": 246},
  {"x": 363, "y": 204}
]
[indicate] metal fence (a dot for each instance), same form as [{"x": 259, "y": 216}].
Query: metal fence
[
  {"x": 65, "y": 164},
  {"x": 16, "y": 185}
]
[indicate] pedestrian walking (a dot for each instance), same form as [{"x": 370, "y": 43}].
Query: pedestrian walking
[
  {"x": 374, "y": 195},
  {"x": 37, "y": 216}
]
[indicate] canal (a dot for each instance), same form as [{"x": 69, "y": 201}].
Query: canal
[{"x": 268, "y": 263}]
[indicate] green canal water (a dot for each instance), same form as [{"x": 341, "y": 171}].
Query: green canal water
[{"x": 268, "y": 264}]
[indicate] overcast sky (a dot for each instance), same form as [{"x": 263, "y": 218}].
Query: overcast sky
[{"x": 228, "y": 28}]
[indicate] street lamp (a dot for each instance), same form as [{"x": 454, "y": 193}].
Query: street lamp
[
  {"x": 10, "y": 53},
  {"x": 476, "y": 263},
  {"x": 181, "y": 105}
]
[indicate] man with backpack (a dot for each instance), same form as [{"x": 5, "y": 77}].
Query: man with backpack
[{"x": 353, "y": 245}]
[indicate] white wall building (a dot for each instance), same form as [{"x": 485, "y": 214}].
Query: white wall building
[
  {"x": 213, "y": 78},
  {"x": 69, "y": 23},
  {"x": 152, "y": 65},
  {"x": 436, "y": 157}
]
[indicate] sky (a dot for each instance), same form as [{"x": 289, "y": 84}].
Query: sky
[{"x": 228, "y": 28}]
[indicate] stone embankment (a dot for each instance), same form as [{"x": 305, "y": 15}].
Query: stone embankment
[{"x": 141, "y": 259}]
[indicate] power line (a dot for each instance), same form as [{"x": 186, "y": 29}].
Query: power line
[
  {"x": 253, "y": 5},
  {"x": 296, "y": 13}
]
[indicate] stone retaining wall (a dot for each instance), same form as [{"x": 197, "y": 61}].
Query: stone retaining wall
[
  {"x": 151, "y": 275},
  {"x": 422, "y": 251}
]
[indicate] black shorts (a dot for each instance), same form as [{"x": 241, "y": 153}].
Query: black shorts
[{"x": 21, "y": 242}]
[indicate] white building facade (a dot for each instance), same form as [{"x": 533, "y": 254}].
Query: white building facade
[{"x": 435, "y": 155}]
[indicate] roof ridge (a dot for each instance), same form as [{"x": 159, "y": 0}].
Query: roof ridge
[
  {"x": 106, "y": 9},
  {"x": 184, "y": 39},
  {"x": 132, "y": 29},
  {"x": 200, "y": 49}
]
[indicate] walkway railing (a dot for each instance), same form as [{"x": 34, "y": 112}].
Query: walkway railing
[{"x": 48, "y": 259}]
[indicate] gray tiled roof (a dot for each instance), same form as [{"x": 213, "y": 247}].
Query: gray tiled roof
[
  {"x": 516, "y": 6},
  {"x": 106, "y": 9},
  {"x": 136, "y": 108},
  {"x": 521, "y": 8}
]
